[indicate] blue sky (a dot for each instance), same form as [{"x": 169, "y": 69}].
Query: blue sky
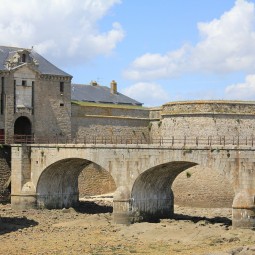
[{"x": 157, "y": 51}]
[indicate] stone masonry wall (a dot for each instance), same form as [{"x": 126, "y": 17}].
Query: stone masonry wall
[
  {"x": 107, "y": 122},
  {"x": 9, "y": 105},
  {"x": 94, "y": 180},
  {"x": 5, "y": 172},
  {"x": 208, "y": 118},
  {"x": 155, "y": 124},
  {"x": 52, "y": 108},
  {"x": 202, "y": 187}
]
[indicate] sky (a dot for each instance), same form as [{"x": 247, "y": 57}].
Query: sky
[{"x": 157, "y": 51}]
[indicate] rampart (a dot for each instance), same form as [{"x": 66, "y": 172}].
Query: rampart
[
  {"x": 96, "y": 120},
  {"x": 207, "y": 118}
]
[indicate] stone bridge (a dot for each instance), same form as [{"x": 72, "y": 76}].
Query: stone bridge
[{"x": 46, "y": 176}]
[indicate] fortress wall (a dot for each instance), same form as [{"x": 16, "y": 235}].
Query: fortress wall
[
  {"x": 94, "y": 180},
  {"x": 208, "y": 118},
  {"x": 202, "y": 187},
  {"x": 203, "y": 126},
  {"x": 107, "y": 110},
  {"x": 5, "y": 171},
  {"x": 90, "y": 127},
  {"x": 155, "y": 124},
  {"x": 8, "y": 117},
  {"x": 109, "y": 122}
]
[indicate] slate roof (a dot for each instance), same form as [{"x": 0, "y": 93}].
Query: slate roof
[
  {"x": 44, "y": 67},
  {"x": 99, "y": 94},
  {"x": 85, "y": 93}
]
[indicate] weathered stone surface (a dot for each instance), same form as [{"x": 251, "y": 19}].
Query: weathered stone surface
[
  {"x": 147, "y": 171},
  {"x": 94, "y": 180},
  {"x": 5, "y": 172}
]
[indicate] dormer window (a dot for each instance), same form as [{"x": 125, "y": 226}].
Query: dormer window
[{"x": 24, "y": 58}]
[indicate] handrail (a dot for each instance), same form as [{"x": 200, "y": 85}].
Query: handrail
[{"x": 172, "y": 141}]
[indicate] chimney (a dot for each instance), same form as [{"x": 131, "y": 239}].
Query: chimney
[
  {"x": 93, "y": 83},
  {"x": 114, "y": 87}
]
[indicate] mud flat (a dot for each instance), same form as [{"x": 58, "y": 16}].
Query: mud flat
[{"x": 88, "y": 229}]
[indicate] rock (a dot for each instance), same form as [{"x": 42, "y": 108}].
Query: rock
[
  {"x": 68, "y": 210},
  {"x": 203, "y": 222}
]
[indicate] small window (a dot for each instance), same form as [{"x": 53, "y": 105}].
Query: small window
[
  {"x": 2, "y": 95},
  {"x": 24, "y": 83},
  {"x": 24, "y": 58},
  {"x": 61, "y": 88},
  {"x": 61, "y": 104}
]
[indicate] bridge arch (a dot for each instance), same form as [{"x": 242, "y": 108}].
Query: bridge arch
[
  {"x": 151, "y": 196},
  {"x": 57, "y": 186}
]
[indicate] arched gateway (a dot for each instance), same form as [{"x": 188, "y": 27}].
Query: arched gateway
[
  {"x": 47, "y": 176},
  {"x": 22, "y": 130},
  {"x": 22, "y": 126}
]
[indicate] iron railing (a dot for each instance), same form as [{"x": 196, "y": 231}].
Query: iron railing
[{"x": 173, "y": 141}]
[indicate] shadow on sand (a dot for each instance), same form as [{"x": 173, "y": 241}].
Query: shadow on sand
[
  {"x": 11, "y": 224},
  {"x": 204, "y": 220},
  {"x": 89, "y": 207}
]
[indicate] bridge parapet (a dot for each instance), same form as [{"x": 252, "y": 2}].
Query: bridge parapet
[{"x": 117, "y": 140}]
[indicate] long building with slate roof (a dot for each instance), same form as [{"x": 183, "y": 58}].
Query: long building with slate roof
[{"x": 101, "y": 94}]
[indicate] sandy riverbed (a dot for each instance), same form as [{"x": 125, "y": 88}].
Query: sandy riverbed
[{"x": 89, "y": 230}]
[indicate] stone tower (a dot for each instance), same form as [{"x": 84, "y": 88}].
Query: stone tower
[{"x": 35, "y": 96}]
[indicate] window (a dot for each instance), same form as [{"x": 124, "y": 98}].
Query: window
[
  {"x": 61, "y": 104},
  {"x": 2, "y": 84},
  {"x": 33, "y": 97},
  {"x": 2, "y": 95},
  {"x": 14, "y": 96},
  {"x": 61, "y": 88},
  {"x": 24, "y": 83},
  {"x": 24, "y": 58}
]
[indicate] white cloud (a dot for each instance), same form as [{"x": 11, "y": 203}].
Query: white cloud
[
  {"x": 242, "y": 91},
  {"x": 147, "y": 93},
  {"x": 64, "y": 29},
  {"x": 227, "y": 45}
]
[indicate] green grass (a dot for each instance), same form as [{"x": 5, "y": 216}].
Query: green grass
[{"x": 120, "y": 106}]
